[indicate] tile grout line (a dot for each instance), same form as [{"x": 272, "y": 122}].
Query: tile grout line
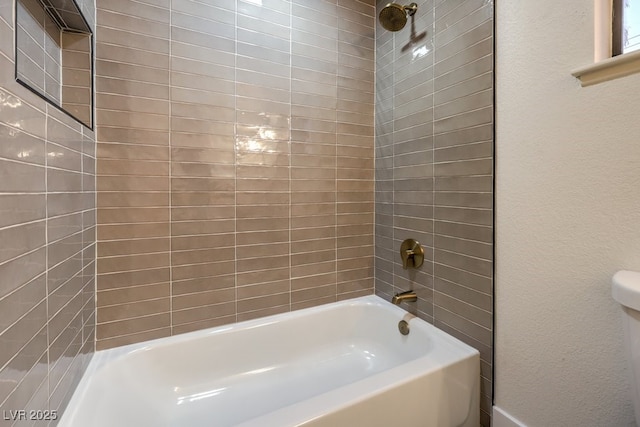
[
  {"x": 235, "y": 163},
  {"x": 171, "y": 326},
  {"x": 336, "y": 158},
  {"x": 289, "y": 147},
  {"x": 393, "y": 168},
  {"x": 375, "y": 134},
  {"x": 46, "y": 256},
  {"x": 433, "y": 176}
]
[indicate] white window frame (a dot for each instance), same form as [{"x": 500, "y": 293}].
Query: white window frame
[{"x": 606, "y": 67}]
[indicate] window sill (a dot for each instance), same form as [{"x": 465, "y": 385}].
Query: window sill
[{"x": 609, "y": 69}]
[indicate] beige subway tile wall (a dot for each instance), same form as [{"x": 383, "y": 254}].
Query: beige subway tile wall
[
  {"x": 235, "y": 171},
  {"x": 434, "y": 169},
  {"x": 132, "y": 118},
  {"x": 47, "y": 230}
]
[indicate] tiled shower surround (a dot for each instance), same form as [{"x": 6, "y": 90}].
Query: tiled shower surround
[
  {"x": 47, "y": 239},
  {"x": 235, "y": 161},
  {"x": 434, "y": 168}
]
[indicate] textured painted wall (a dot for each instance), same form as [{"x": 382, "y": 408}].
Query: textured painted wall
[
  {"x": 568, "y": 210},
  {"x": 434, "y": 165},
  {"x": 47, "y": 242},
  {"x": 235, "y": 161}
]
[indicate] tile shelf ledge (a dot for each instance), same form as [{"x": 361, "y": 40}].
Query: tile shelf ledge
[{"x": 608, "y": 69}]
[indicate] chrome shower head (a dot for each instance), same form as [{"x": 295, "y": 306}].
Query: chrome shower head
[{"x": 393, "y": 17}]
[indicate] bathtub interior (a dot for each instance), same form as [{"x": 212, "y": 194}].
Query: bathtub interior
[{"x": 359, "y": 335}]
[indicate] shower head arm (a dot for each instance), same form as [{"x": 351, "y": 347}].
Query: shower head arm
[{"x": 411, "y": 9}]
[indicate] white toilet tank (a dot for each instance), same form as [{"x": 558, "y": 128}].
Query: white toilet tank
[{"x": 626, "y": 290}]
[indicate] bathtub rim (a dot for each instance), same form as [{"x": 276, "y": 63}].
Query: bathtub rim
[{"x": 102, "y": 357}]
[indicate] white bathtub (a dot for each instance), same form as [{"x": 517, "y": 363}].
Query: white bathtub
[{"x": 342, "y": 364}]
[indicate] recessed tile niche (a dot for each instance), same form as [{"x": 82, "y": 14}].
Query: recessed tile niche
[{"x": 54, "y": 55}]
